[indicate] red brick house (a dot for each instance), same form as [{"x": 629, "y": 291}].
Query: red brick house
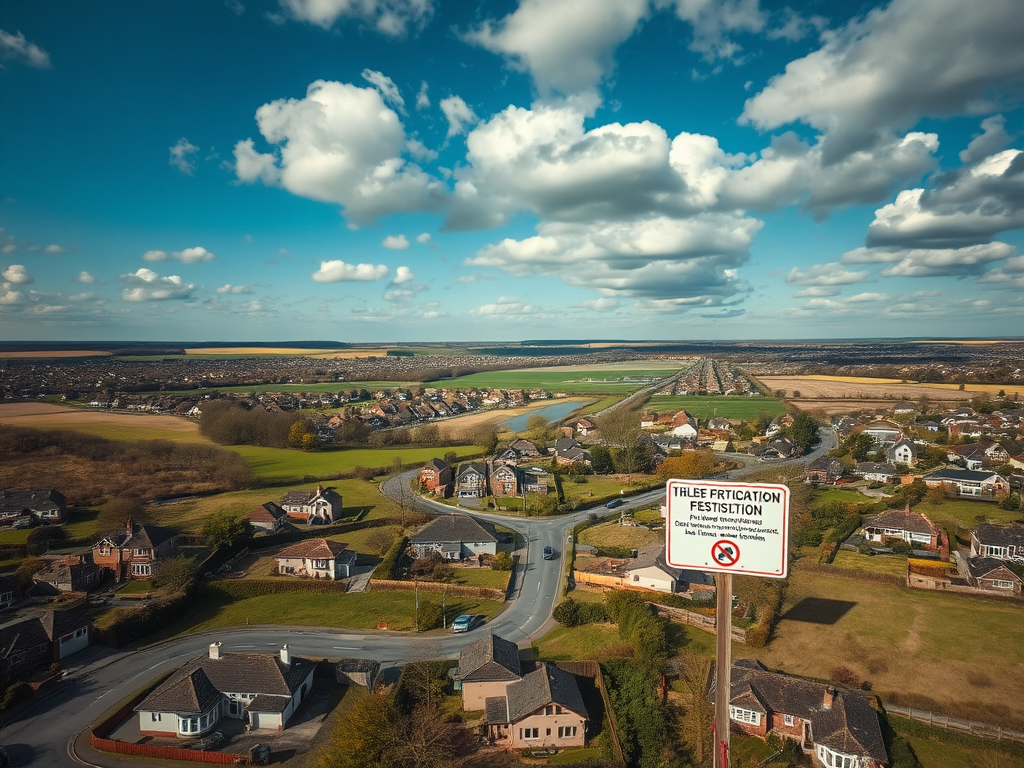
[
  {"x": 837, "y": 726},
  {"x": 436, "y": 476},
  {"x": 135, "y": 554}
]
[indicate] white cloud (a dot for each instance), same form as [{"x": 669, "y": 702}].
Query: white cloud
[
  {"x": 795, "y": 27},
  {"x": 423, "y": 96},
  {"x": 992, "y": 139},
  {"x": 503, "y": 307},
  {"x": 900, "y": 62},
  {"x": 715, "y": 21},
  {"x": 147, "y": 285},
  {"x": 387, "y": 88},
  {"x": 339, "y": 144},
  {"x": 466, "y": 279},
  {"x": 458, "y": 114},
  {"x": 17, "y": 48},
  {"x": 598, "y": 305},
  {"x": 393, "y": 18},
  {"x": 825, "y": 274},
  {"x": 565, "y": 46},
  {"x": 931, "y": 262},
  {"x": 54, "y": 249},
  {"x": 402, "y": 275},
  {"x": 816, "y": 291},
  {"x": 85, "y": 278},
  {"x": 9, "y": 296},
  {"x": 971, "y": 205},
  {"x": 182, "y": 156},
  {"x": 234, "y": 290},
  {"x": 338, "y": 271},
  {"x": 194, "y": 255},
  {"x": 419, "y": 150},
  {"x": 423, "y": 238},
  {"x": 396, "y": 242},
  {"x": 18, "y": 275},
  {"x": 868, "y": 298},
  {"x": 80, "y": 297}
]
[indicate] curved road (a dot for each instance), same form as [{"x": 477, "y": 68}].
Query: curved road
[{"x": 41, "y": 736}]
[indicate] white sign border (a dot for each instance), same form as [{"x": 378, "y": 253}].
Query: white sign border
[{"x": 718, "y": 569}]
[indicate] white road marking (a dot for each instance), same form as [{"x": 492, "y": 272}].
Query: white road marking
[{"x": 347, "y": 648}]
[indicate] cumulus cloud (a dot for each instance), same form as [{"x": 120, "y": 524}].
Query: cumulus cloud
[
  {"x": 423, "y": 96},
  {"x": 503, "y": 307},
  {"x": 931, "y": 262},
  {"x": 85, "y": 296},
  {"x": 53, "y": 248},
  {"x": 234, "y": 290},
  {"x": 566, "y": 47},
  {"x": 9, "y": 296},
  {"x": 395, "y": 242},
  {"x": 402, "y": 275},
  {"x": 195, "y": 255},
  {"x": 993, "y": 137},
  {"x": 816, "y": 291},
  {"x": 339, "y": 144},
  {"x": 716, "y": 21},
  {"x": 868, "y": 298},
  {"x": 17, "y": 48},
  {"x": 406, "y": 293},
  {"x": 18, "y": 275},
  {"x": 85, "y": 278},
  {"x": 338, "y": 271},
  {"x": 825, "y": 274},
  {"x": 886, "y": 70},
  {"x": 423, "y": 238},
  {"x": 458, "y": 114},
  {"x": 971, "y": 205},
  {"x": 394, "y": 18},
  {"x": 147, "y": 285},
  {"x": 386, "y": 86},
  {"x": 183, "y": 156}
]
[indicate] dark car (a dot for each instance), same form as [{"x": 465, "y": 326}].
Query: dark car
[
  {"x": 615, "y": 503},
  {"x": 549, "y": 553}
]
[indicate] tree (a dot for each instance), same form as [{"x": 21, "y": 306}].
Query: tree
[
  {"x": 621, "y": 429},
  {"x": 224, "y": 529},
  {"x": 502, "y": 562},
  {"x": 537, "y": 428},
  {"x": 804, "y": 430},
  {"x": 44, "y": 538},
  {"x": 177, "y": 574},
  {"x": 859, "y": 445},
  {"x": 450, "y": 457},
  {"x": 301, "y": 435},
  {"x": 601, "y": 460},
  {"x": 691, "y": 464},
  {"x": 364, "y": 735},
  {"x": 121, "y": 512}
]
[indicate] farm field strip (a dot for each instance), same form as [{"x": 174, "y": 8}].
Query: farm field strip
[
  {"x": 704, "y": 407},
  {"x": 113, "y": 426},
  {"x": 821, "y": 387},
  {"x": 572, "y": 381},
  {"x": 55, "y": 354}
]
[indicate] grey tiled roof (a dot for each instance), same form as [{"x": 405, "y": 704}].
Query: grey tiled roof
[
  {"x": 980, "y": 567},
  {"x": 455, "y": 528},
  {"x": 59, "y": 623},
  {"x": 314, "y": 549},
  {"x": 1008, "y": 535},
  {"x": 495, "y": 709},
  {"x": 849, "y": 725},
  {"x": 545, "y": 685},
  {"x": 268, "y": 703},
  {"x": 149, "y": 536},
  {"x": 969, "y": 475},
  {"x": 904, "y": 520},
  {"x": 490, "y": 658},
  {"x": 189, "y": 694}
]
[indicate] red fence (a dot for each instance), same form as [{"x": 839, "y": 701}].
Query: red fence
[{"x": 168, "y": 753}]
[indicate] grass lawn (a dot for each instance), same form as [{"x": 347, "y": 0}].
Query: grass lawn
[
  {"x": 895, "y": 565},
  {"x": 612, "y": 534},
  {"x": 589, "y": 641},
  {"x": 597, "y": 486},
  {"x": 482, "y": 577},
  {"x": 357, "y": 496},
  {"x": 964, "y": 511},
  {"x": 361, "y": 610},
  {"x": 955, "y": 654},
  {"x": 81, "y": 522},
  {"x": 580, "y": 755},
  {"x": 356, "y": 540},
  {"x": 732, "y": 407},
  {"x": 136, "y": 588},
  {"x": 837, "y": 494},
  {"x": 336, "y": 386},
  {"x": 647, "y": 515},
  {"x": 284, "y": 464}
]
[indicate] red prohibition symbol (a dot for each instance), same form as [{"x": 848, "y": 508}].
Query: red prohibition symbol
[{"x": 725, "y": 552}]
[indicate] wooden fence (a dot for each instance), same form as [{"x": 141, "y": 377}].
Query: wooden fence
[
  {"x": 973, "y": 727},
  {"x": 391, "y": 585},
  {"x": 168, "y": 753},
  {"x": 698, "y": 620}
]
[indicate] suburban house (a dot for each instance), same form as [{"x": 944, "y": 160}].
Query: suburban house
[
  {"x": 471, "y": 480},
  {"x": 47, "y": 506},
  {"x": 992, "y": 575},
  {"x": 504, "y": 480},
  {"x": 264, "y": 690},
  {"x": 267, "y": 517},
  {"x": 436, "y": 476},
  {"x": 524, "y": 447},
  {"x": 720, "y": 424},
  {"x": 316, "y": 559},
  {"x": 783, "y": 448},
  {"x": 455, "y": 537},
  {"x": 884, "y": 433},
  {"x": 967, "y": 482},
  {"x": 875, "y": 471},
  {"x": 68, "y": 573},
  {"x": 568, "y": 451},
  {"x": 778, "y": 424},
  {"x": 684, "y": 425},
  {"x": 543, "y": 709},
  {"x": 904, "y": 407},
  {"x": 31, "y": 644},
  {"x": 824, "y": 469},
  {"x": 905, "y": 525},
  {"x": 838, "y": 727},
  {"x": 486, "y": 667},
  {"x": 135, "y": 553},
  {"x": 509, "y": 456},
  {"x": 10, "y": 592},
  {"x": 320, "y": 506},
  {"x": 903, "y": 452},
  {"x": 68, "y": 632},
  {"x": 585, "y": 427},
  {"x": 654, "y": 573},
  {"x": 1003, "y": 542},
  {"x": 976, "y": 455}
]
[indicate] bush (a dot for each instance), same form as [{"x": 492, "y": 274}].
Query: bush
[
  {"x": 502, "y": 562},
  {"x": 431, "y": 615},
  {"x": 844, "y": 676},
  {"x": 845, "y": 529},
  {"x": 572, "y": 613},
  {"x": 46, "y": 537},
  {"x": 15, "y": 694},
  {"x": 390, "y": 566}
]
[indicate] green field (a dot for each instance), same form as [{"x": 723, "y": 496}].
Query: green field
[
  {"x": 329, "y": 386},
  {"x": 282, "y": 464},
  {"x": 955, "y": 654},
  {"x": 837, "y": 494},
  {"x": 591, "y": 641},
  {"x": 568, "y": 380},
  {"x": 894, "y": 565},
  {"x": 611, "y": 534},
  {"x": 963, "y": 512},
  {"x": 361, "y": 610},
  {"x": 732, "y": 407}
]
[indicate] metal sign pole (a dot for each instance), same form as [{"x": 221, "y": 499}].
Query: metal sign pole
[{"x": 723, "y": 668}]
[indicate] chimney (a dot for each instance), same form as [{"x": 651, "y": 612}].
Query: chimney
[
  {"x": 215, "y": 650},
  {"x": 830, "y": 697},
  {"x": 286, "y": 655}
]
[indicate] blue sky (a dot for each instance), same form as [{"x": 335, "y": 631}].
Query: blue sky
[{"x": 416, "y": 170}]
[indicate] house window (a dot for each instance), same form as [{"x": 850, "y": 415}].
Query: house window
[
  {"x": 548, "y": 733},
  {"x": 566, "y": 732},
  {"x": 156, "y": 717},
  {"x": 142, "y": 569},
  {"x": 998, "y": 584},
  {"x": 787, "y": 719},
  {"x": 558, "y": 710},
  {"x": 837, "y": 759},
  {"x": 141, "y": 552},
  {"x": 745, "y": 715},
  {"x": 104, "y": 551},
  {"x": 529, "y": 733}
]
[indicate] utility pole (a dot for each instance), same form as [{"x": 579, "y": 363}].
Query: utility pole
[{"x": 723, "y": 667}]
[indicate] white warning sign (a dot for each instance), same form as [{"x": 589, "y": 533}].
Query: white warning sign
[{"x": 724, "y": 527}]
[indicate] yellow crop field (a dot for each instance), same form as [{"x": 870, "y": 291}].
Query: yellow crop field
[{"x": 863, "y": 388}]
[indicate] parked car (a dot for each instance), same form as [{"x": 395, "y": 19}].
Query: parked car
[
  {"x": 549, "y": 553},
  {"x": 615, "y": 503},
  {"x": 466, "y": 622}
]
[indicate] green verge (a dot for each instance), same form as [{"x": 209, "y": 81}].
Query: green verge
[{"x": 284, "y": 464}]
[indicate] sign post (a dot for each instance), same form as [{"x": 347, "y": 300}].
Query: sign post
[{"x": 726, "y": 528}]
